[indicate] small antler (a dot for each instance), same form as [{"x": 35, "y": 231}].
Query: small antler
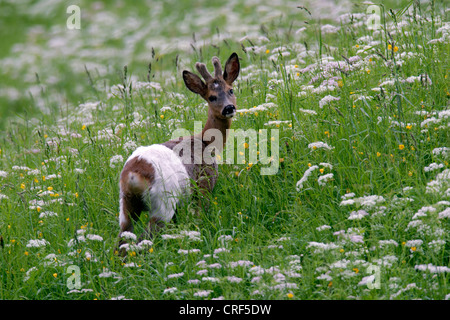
[
  {"x": 217, "y": 67},
  {"x": 201, "y": 68}
]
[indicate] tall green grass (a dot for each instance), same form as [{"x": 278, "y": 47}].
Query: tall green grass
[{"x": 261, "y": 237}]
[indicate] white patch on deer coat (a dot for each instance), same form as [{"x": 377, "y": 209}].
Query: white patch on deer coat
[{"x": 170, "y": 184}]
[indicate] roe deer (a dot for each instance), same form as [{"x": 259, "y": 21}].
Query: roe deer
[{"x": 154, "y": 178}]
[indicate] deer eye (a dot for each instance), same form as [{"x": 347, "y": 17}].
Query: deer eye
[
  {"x": 231, "y": 91},
  {"x": 212, "y": 98}
]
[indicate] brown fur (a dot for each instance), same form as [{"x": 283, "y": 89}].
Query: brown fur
[{"x": 132, "y": 201}]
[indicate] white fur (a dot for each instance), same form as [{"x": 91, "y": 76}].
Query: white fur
[{"x": 170, "y": 184}]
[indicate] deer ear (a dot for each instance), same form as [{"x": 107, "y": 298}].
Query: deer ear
[
  {"x": 232, "y": 68},
  {"x": 194, "y": 83}
]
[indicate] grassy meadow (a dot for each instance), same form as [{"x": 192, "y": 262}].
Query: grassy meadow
[{"x": 360, "y": 205}]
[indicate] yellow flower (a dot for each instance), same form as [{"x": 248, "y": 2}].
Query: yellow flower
[
  {"x": 50, "y": 188},
  {"x": 83, "y": 127},
  {"x": 267, "y": 51},
  {"x": 26, "y": 253},
  {"x": 22, "y": 185},
  {"x": 413, "y": 248},
  {"x": 340, "y": 83},
  {"x": 395, "y": 49},
  {"x": 321, "y": 170},
  {"x": 356, "y": 270},
  {"x": 246, "y": 145},
  {"x": 161, "y": 116},
  {"x": 55, "y": 275},
  {"x": 390, "y": 46},
  {"x": 290, "y": 295},
  {"x": 401, "y": 146},
  {"x": 378, "y": 154},
  {"x": 76, "y": 194},
  {"x": 150, "y": 250},
  {"x": 409, "y": 127}
]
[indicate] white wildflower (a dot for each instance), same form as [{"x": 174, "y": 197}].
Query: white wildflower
[
  {"x": 45, "y": 214},
  {"x": 324, "y": 227},
  {"x": 210, "y": 279},
  {"x": 37, "y": 243},
  {"x": 234, "y": 279},
  {"x": 203, "y": 293},
  {"x": 94, "y": 237},
  {"x": 175, "y": 275},
  {"x": 240, "y": 263},
  {"x": 219, "y": 250},
  {"x": 444, "y": 214},
  {"x": 128, "y": 235},
  {"x": 182, "y": 251},
  {"x": 2, "y": 196},
  {"x": 357, "y": 215},
  {"x": 319, "y": 145},
  {"x": 432, "y": 268},
  {"x": 414, "y": 243},
  {"x": 326, "y": 100},
  {"x": 114, "y": 160},
  {"x": 433, "y": 166},
  {"x": 324, "y": 179},
  {"x": 170, "y": 290},
  {"x": 383, "y": 243},
  {"x": 307, "y": 173}
]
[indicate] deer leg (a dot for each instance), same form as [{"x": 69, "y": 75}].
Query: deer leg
[
  {"x": 130, "y": 209},
  {"x": 154, "y": 226}
]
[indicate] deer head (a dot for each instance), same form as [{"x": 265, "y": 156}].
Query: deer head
[{"x": 217, "y": 90}]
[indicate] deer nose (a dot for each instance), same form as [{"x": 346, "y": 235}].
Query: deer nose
[{"x": 229, "y": 111}]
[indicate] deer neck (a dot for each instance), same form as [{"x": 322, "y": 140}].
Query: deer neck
[{"x": 220, "y": 126}]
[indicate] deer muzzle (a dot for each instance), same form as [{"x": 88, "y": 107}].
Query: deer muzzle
[{"x": 229, "y": 111}]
